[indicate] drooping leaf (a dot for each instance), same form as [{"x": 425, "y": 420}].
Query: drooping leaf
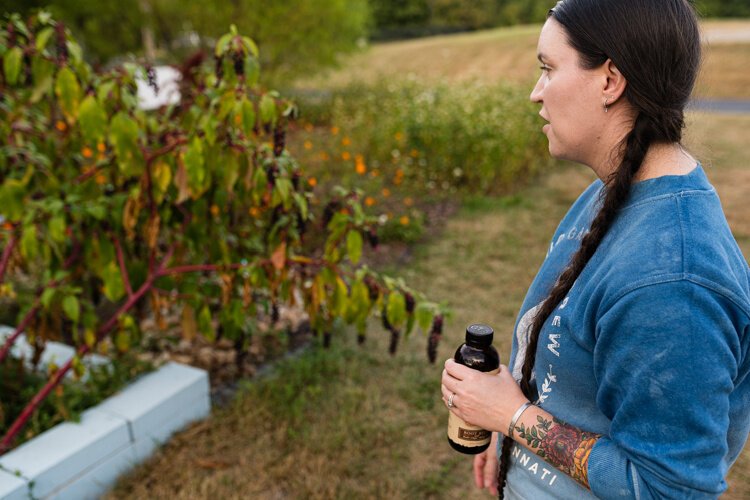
[
  {"x": 71, "y": 307},
  {"x": 93, "y": 120},
  {"x": 268, "y": 109},
  {"x": 12, "y": 64},
  {"x": 354, "y": 245},
  {"x": 195, "y": 166},
  {"x": 123, "y": 134},
  {"x": 396, "y": 309},
  {"x": 68, "y": 92}
]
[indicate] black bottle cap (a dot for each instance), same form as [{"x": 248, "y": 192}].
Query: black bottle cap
[{"x": 479, "y": 335}]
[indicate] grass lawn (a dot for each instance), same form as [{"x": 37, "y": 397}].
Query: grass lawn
[
  {"x": 509, "y": 54},
  {"x": 355, "y": 422}
]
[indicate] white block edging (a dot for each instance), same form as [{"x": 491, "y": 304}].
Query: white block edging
[{"x": 83, "y": 460}]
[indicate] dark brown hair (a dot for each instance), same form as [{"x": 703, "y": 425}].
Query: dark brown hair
[{"x": 656, "y": 46}]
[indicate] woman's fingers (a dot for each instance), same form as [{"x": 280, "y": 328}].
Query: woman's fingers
[
  {"x": 490, "y": 476},
  {"x": 479, "y": 461}
]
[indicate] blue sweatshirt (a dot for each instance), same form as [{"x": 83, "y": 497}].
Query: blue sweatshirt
[{"x": 649, "y": 349}]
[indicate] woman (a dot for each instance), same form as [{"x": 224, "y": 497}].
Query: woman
[{"x": 632, "y": 341}]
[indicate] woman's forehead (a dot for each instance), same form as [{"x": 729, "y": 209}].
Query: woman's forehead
[{"x": 553, "y": 43}]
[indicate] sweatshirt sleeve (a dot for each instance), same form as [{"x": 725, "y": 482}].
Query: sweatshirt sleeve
[{"x": 665, "y": 358}]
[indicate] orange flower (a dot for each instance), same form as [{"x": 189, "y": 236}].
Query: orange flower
[
  {"x": 87, "y": 152},
  {"x": 369, "y": 201},
  {"x": 408, "y": 201},
  {"x": 346, "y": 156},
  {"x": 404, "y": 220},
  {"x": 100, "y": 179},
  {"x": 215, "y": 210},
  {"x": 308, "y": 145},
  {"x": 386, "y": 192},
  {"x": 312, "y": 181},
  {"x": 254, "y": 211},
  {"x": 398, "y": 136},
  {"x": 361, "y": 168},
  {"x": 345, "y": 141},
  {"x": 414, "y": 153},
  {"x": 8, "y": 226},
  {"x": 61, "y": 126},
  {"x": 335, "y": 130},
  {"x": 101, "y": 147}
]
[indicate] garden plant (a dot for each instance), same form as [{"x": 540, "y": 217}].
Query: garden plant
[{"x": 111, "y": 213}]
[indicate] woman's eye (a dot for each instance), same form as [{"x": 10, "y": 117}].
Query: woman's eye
[{"x": 544, "y": 68}]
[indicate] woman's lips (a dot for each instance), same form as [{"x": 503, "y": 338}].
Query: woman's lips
[{"x": 544, "y": 129}]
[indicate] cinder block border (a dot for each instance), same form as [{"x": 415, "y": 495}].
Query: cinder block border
[{"x": 83, "y": 460}]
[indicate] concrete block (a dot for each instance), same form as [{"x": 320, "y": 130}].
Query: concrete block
[
  {"x": 67, "y": 450},
  {"x": 13, "y": 487},
  {"x": 97, "y": 480},
  {"x": 161, "y": 402}
]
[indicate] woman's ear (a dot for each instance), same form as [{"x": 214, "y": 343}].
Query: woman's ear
[{"x": 614, "y": 82}]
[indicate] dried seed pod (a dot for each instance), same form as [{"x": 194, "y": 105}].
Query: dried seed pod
[
  {"x": 395, "y": 335},
  {"x": 326, "y": 339},
  {"x": 409, "y": 299},
  {"x": 279, "y": 140}
]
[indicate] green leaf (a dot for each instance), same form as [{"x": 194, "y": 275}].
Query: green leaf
[
  {"x": 123, "y": 134},
  {"x": 354, "y": 245},
  {"x": 195, "y": 165},
  {"x": 247, "y": 112},
  {"x": 47, "y": 295},
  {"x": 221, "y": 45},
  {"x": 284, "y": 188},
  {"x": 43, "y": 37},
  {"x": 114, "y": 288},
  {"x": 56, "y": 228},
  {"x": 268, "y": 109},
  {"x": 340, "y": 296},
  {"x": 93, "y": 120},
  {"x": 231, "y": 171},
  {"x": 424, "y": 315},
  {"x": 29, "y": 244},
  {"x": 12, "y": 199},
  {"x": 42, "y": 73},
  {"x": 250, "y": 46},
  {"x": 302, "y": 204},
  {"x": 204, "y": 323},
  {"x": 396, "y": 309},
  {"x": 12, "y": 65},
  {"x": 71, "y": 307},
  {"x": 68, "y": 93}
]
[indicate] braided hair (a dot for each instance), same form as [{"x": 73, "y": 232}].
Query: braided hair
[{"x": 656, "y": 46}]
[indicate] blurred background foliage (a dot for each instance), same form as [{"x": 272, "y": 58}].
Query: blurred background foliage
[{"x": 295, "y": 38}]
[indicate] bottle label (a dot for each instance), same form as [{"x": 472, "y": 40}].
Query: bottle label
[{"x": 465, "y": 434}]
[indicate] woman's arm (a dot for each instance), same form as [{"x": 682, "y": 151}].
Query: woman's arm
[
  {"x": 479, "y": 400},
  {"x": 559, "y": 444}
]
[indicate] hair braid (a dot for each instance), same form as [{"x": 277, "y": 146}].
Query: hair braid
[{"x": 615, "y": 193}]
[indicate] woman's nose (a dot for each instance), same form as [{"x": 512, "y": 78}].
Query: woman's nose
[{"x": 536, "y": 93}]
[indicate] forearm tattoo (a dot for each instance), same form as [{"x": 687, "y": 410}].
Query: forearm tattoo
[{"x": 562, "y": 445}]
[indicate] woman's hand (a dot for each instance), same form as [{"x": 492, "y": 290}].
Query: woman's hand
[
  {"x": 485, "y": 467},
  {"x": 482, "y": 399}
]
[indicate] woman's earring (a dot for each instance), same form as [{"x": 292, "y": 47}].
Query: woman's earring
[{"x": 606, "y": 108}]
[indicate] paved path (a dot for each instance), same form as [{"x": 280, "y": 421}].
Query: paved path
[{"x": 730, "y": 106}]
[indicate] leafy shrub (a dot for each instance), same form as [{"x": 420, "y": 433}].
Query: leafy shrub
[{"x": 197, "y": 207}]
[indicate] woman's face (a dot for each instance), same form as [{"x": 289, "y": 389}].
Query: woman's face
[{"x": 571, "y": 98}]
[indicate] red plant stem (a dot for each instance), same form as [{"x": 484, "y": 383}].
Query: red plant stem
[
  {"x": 151, "y": 155},
  {"x": 123, "y": 270},
  {"x": 7, "y": 251},
  {"x": 40, "y": 396}
]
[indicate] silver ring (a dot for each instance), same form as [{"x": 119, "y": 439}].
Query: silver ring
[{"x": 450, "y": 400}]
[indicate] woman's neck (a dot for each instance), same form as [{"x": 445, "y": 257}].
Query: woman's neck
[{"x": 665, "y": 159}]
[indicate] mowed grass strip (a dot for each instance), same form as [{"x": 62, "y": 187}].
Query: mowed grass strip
[
  {"x": 509, "y": 54},
  {"x": 355, "y": 422}
]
